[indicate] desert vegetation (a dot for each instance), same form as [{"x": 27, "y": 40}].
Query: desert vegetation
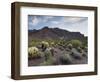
[
  {"x": 57, "y": 52},
  {"x": 57, "y": 40}
]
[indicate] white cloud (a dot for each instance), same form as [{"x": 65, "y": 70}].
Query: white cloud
[
  {"x": 72, "y": 19},
  {"x": 55, "y": 22},
  {"x": 35, "y": 21},
  {"x": 47, "y": 18},
  {"x": 74, "y": 25}
]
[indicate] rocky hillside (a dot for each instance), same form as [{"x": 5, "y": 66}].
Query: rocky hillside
[{"x": 54, "y": 33}]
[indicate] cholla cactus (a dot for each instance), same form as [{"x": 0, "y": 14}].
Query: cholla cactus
[
  {"x": 45, "y": 45},
  {"x": 48, "y": 54},
  {"x": 33, "y": 51},
  {"x": 52, "y": 43},
  {"x": 70, "y": 46}
]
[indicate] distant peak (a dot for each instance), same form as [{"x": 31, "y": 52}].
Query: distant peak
[
  {"x": 56, "y": 28},
  {"x": 46, "y": 27}
]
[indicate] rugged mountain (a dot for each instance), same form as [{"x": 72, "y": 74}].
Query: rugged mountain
[{"x": 54, "y": 33}]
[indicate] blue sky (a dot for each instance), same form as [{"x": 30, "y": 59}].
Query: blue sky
[{"x": 75, "y": 24}]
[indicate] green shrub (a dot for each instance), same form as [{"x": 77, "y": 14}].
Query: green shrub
[
  {"x": 75, "y": 43},
  {"x": 33, "y": 52}
]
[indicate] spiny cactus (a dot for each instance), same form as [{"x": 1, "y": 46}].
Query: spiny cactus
[
  {"x": 70, "y": 46},
  {"x": 44, "y": 45},
  {"x": 33, "y": 52},
  {"x": 52, "y": 43},
  {"x": 47, "y": 54}
]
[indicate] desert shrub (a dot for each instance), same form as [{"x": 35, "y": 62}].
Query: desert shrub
[
  {"x": 65, "y": 59},
  {"x": 86, "y": 49},
  {"x": 84, "y": 54},
  {"x": 62, "y": 43},
  {"x": 44, "y": 45},
  {"x": 75, "y": 54},
  {"x": 75, "y": 43},
  {"x": 79, "y": 49},
  {"x": 33, "y": 52},
  {"x": 53, "y": 51},
  {"x": 82, "y": 47},
  {"x": 56, "y": 42},
  {"x": 85, "y": 43},
  {"x": 48, "y": 57},
  {"x": 52, "y": 43},
  {"x": 70, "y": 46},
  {"x": 47, "y": 54}
]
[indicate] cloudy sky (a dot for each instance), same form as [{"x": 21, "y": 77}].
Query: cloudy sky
[{"x": 75, "y": 24}]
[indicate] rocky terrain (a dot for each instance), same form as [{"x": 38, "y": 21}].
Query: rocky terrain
[{"x": 55, "y": 46}]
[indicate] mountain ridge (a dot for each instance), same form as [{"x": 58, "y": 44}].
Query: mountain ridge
[{"x": 54, "y": 33}]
